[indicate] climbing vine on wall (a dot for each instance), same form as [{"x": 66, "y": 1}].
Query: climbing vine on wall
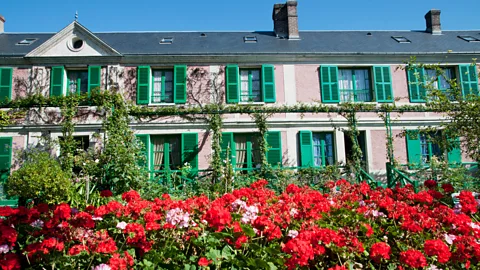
[
  {"x": 215, "y": 123},
  {"x": 67, "y": 143},
  {"x": 261, "y": 121},
  {"x": 349, "y": 112}
]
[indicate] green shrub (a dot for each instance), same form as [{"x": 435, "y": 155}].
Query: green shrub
[{"x": 40, "y": 178}]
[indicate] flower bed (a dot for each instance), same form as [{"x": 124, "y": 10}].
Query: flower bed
[{"x": 352, "y": 227}]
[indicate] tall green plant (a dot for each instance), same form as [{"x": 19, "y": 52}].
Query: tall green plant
[{"x": 121, "y": 151}]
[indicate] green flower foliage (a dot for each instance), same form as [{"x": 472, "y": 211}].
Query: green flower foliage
[{"x": 40, "y": 178}]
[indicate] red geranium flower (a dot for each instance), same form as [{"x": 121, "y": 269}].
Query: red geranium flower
[
  {"x": 106, "y": 193},
  {"x": 448, "y": 188},
  {"x": 117, "y": 262},
  {"x": 106, "y": 246},
  {"x": 413, "y": 258},
  {"x": 259, "y": 184},
  {"x": 6, "y": 211},
  {"x": 218, "y": 217},
  {"x": 380, "y": 251},
  {"x": 77, "y": 249},
  {"x": 131, "y": 195},
  {"x": 240, "y": 241},
  {"x": 10, "y": 261},
  {"x": 430, "y": 184},
  {"x": 63, "y": 211},
  {"x": 468, "y": 202},
  {"x": 203, "y": 262},
  {"x": 437, "y": 248}
]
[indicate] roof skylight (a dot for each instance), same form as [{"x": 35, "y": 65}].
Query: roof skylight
[
  {"x": 166, "y": 40},
  {"x": 401, "y": 39},
  {"x": 250, "y": 39},
  {"x": 469, "y": 38},
  {"x": 27, "y": 41}
]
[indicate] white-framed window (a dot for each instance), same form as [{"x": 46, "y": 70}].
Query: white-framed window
[
  {"x": 355, "y": 85},
  {"x": 250, "y": 85},
  {"x": 77, "y": 81},
  {"x": 162, "y": 86}
]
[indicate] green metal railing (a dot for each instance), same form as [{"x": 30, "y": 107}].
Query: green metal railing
[
  {"x": 395, "y": 176},
  {"x": 363, "y": 176}
]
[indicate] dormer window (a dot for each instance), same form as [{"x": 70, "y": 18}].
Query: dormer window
[
  {"x": 401, "y": 39},
  {"x": 469, "y": 38},
  {"x": 250, "y": 39},
  {"x": 167, "y": 40},
  {"x": 27, "y": 41}
]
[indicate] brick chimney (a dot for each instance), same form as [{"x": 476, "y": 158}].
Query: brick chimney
[
  {"x": 285, "y": 20},
  {"x": 432, "y": 18},
  {"x": 2, "y": 23}
]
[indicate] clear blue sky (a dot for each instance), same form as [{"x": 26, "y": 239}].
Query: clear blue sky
[{"x": 224, "y": 15}]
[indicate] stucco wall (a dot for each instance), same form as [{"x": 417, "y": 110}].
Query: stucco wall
[
  {"x": 307, "y": 82},
  {"x": 205, "y": 150},
  {"x": 379, "y": 150},
  {"x": 400, "y": 83},
  {"x": 399, "y": 147},
  {"x": 279, "y": 84}
]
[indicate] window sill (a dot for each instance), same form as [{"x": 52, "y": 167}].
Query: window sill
[
  {"x": 162, "y": 104},
  {"x": 251, "y": 103}
]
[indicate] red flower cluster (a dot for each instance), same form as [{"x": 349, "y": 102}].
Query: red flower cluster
[
  {"x": 106, "y": 193},
  {"x": 380, "y": 251},
  {"x": 413, "y": 258},
  {"x": 302, "y": 227},
  {"x": 218, "y": 217},
  {"x": 468, "y": 202},
  {"x": 437, "y": 248}
]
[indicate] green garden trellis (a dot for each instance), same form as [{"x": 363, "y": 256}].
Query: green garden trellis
[{"x": 350, "y": 110}]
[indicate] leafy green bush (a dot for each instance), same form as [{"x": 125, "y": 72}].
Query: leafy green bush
[{"x": 40, "y": 178}]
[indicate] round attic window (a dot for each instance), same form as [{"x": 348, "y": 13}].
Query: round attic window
[{"x": 76, "y": 44}]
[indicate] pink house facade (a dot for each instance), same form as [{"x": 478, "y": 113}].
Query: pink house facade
[{"x": 282, "y": 67}]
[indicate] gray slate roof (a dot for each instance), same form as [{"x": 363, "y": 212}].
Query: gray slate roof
[{"x": 231, "y": 43}]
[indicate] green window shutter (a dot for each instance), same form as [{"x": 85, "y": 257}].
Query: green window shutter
[
  {"x": 274, "y": 154},
  {"x": 228, "y": 141},
  {"x": 5, "y": 84},
  {"x": 455, "y": 154},
  {"x": 232, "y": 85},
  {"x": 190, "y": 149},
  {"x": 306, "y": 148},
  {"x": 143, "y": 85},
  {"x": 329, "y": 84},
  {"x": 56, "y": 81},
  {"x": 414, "y": 148},
  {"x": 145, "y": 141},
  {"x": 94, "y": 77},
  {"x": 5, "y": 164},
  {"x": 383, "y": 83},
  {"x": 180, "y": 84},
  {"x": 268, "y": 83},
  {"x": 416, "y": 85},
  {"x": 468, "y": 79}
]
